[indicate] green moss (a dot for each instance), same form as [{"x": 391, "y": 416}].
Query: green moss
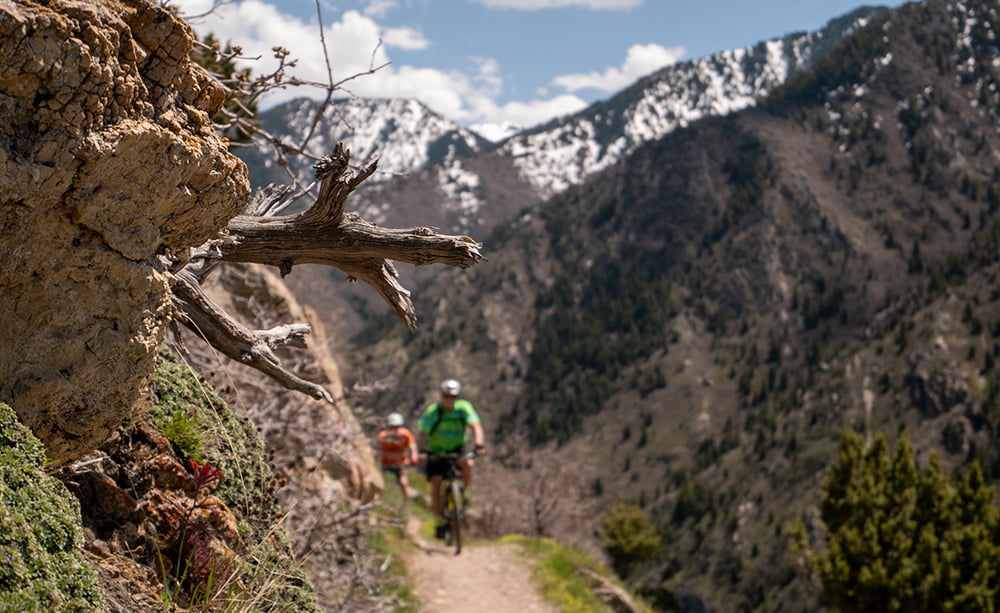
[
  {"x": 232, "y": 444},
  {"x": 41, "y": 539}
]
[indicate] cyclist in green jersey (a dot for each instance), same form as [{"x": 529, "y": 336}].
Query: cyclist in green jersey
[{"x": 444, "y": 428}]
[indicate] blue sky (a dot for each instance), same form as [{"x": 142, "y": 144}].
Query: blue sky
[{"x": 490, "y": 61}]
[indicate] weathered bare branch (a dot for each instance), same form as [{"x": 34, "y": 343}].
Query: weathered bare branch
[
  {"x": 252, "y": 347},
  {"x": 271, "y": 200},
  {"x": 325, "y": 235}
]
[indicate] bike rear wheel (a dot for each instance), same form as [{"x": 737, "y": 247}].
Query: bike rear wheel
[{"x": 453, "y": 514}]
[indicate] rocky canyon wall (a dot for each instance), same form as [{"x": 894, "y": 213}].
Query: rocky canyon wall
[{"x": 107, "y": 159}]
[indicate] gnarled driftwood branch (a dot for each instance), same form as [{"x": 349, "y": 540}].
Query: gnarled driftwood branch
[{"x": 323, "y": 234}]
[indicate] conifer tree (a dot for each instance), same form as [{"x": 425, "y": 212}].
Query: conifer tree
[
  {"x": 240, "y": 107},
  {"x": 899, "y": 538}
]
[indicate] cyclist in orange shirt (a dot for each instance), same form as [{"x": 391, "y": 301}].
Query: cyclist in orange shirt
[{"x": 397, "y": 449}]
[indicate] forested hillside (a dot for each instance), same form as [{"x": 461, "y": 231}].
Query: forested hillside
[{"x": 692, "y": 329}]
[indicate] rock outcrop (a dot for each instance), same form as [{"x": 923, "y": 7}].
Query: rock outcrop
[
  {"x": 108, "y": 158},
  {"x": 110, "y": 167}
]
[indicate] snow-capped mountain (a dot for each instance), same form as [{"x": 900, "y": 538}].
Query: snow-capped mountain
[
  {"x": 496, "y": 132},
  {"x": 460, "y": 181},
  {"x": 403, "y": 135},
  {"x": 565, "y": 152},
  {"x": 434, "y": 173}
]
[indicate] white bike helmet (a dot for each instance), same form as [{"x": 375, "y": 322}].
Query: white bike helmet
[
  {"x": 451, "y": 387},
  {"x": 395, "y": 420}
]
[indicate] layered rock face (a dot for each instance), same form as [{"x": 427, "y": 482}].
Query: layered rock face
[{"x": 108, "y": 158}]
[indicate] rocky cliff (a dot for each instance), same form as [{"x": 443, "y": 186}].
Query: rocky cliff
[
  {"x": 111, "y": 167},
  {"x": 109, "y": 158}
]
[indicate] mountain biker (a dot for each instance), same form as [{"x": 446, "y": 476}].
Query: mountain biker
[
  {"x": 397, "y": 449},
  {"x": 443, "y": 429}
]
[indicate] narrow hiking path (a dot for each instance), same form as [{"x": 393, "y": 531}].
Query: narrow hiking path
[{"x": 491, "y": 578}]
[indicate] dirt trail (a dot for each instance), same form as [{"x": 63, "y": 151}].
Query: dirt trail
[{"x": 489, "y": 578}]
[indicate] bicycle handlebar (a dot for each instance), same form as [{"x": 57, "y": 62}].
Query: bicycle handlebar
[{"x": 454, "y": 455}]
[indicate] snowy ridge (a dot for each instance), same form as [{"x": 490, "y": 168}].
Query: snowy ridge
[
  {"x": 563, "y": 155},
  {"x": 460, "y": 186},
  {"x": 403, "y": 135},
  {"x": 966, "y": 21}
]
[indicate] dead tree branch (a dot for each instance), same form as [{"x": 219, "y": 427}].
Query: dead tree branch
[
  {"x": 254, "y": 348},
  {"x": 325, "y": 235}
]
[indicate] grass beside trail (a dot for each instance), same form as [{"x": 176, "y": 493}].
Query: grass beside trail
[
  {"x": 389, "y": 539},
  {"x": 559, "y": 569}
]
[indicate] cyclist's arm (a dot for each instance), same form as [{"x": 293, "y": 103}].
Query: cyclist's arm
[
  {"x": 422, "y": 442},
  {"x": 477, "y": 437},
  {"x": 412, "y": 450},
  {"x": 477, "y": 433}
]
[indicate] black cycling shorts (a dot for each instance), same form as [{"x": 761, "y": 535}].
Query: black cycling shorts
[{"x": 437, "y": 466}]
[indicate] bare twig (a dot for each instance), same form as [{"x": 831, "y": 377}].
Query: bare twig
[{"x": 252, "y": 347}]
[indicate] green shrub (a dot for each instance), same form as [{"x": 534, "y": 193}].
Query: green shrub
[{"x": 628, "y": 536}]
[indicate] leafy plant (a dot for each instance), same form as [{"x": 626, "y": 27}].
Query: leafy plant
[
  {"x": 182, "y": 429},
  {"x": 271, "y": 577}
]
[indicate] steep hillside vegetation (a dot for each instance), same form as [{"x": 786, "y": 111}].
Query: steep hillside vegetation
[
  {"x": 434, "y": 173},
  {"x": 691, "y": 329}
]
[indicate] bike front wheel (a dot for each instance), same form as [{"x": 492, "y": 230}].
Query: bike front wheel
[{"x": 453, "y": 514}]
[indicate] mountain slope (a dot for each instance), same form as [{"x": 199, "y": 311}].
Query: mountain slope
[
  {"x": 432, "y": 166},
  {"x": 436, "y": 174},
  {"x": 691, "y": 328}
]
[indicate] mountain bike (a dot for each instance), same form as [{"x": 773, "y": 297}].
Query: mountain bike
[{"x": 453, "y": 509}]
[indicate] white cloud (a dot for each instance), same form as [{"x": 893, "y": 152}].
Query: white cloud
[
  {"x": 489, "y": 75},
  {"x": 534, "y": 5},
  {"x": 378, "y": 9},
  {"x": 405, "y": 38},
  {"x": 639, "y": 62},
  {"x": 537, "y": 111},
  {"x": 353, "y": 45}
]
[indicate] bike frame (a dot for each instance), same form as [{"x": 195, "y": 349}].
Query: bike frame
[{"x": 451, "y": 492}]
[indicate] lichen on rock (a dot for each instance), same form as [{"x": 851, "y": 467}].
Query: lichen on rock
[{"x": 41, "y": 541}]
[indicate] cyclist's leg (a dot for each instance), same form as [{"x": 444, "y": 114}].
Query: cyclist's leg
[
  {"x": 436, "y": 495},
  {"x": 404, "y": 483},
  {"x": 466, "y": 464},
  {"x": 436, "y": 468}
]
